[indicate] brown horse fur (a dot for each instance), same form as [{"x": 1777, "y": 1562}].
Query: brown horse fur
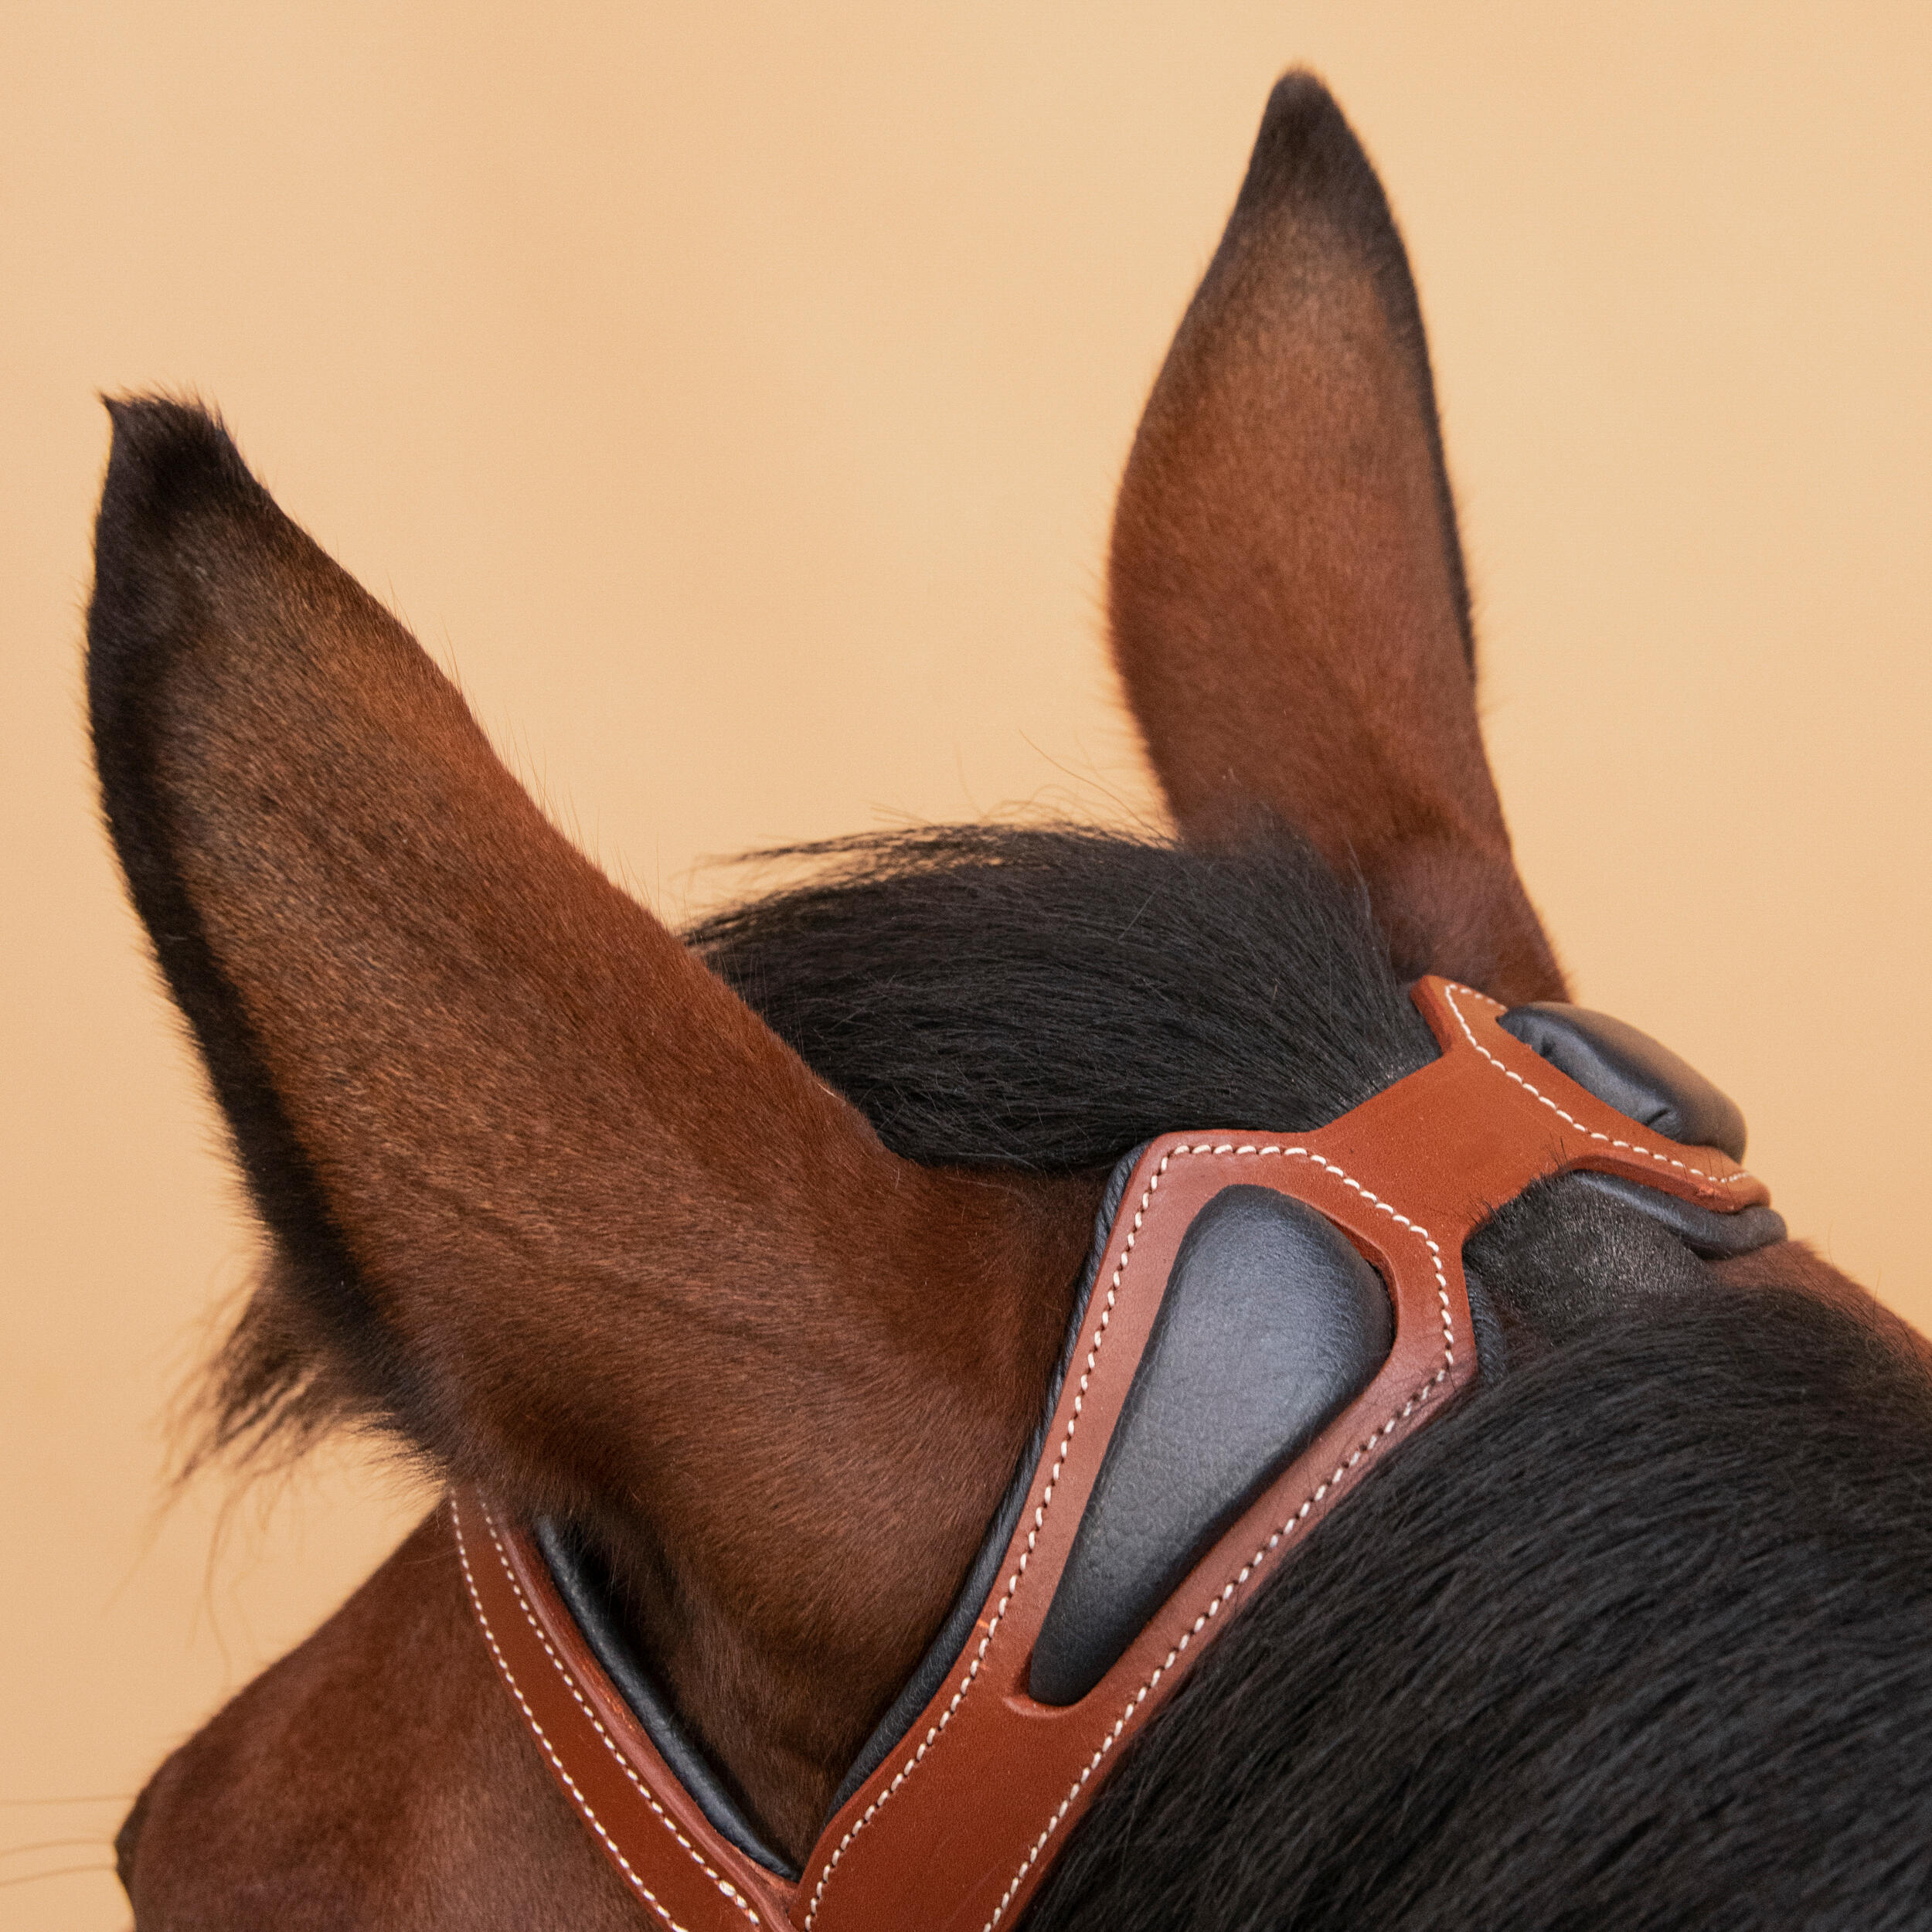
[
  {"x": 562, "y": 1210},
  {"x": 1290, "y": 611},
  {"x": 552, "y": 1204}
]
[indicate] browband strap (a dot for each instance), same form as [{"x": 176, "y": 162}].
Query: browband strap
[{"x": 1313, "y": 1282}]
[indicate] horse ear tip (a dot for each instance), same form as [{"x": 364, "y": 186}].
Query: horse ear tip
[
  {"x": 1300, "y": 109},
  {"x": 170, "y": 466},
  {"x": 1304, "y": 144},
  {"x": 167, "y": 457},
  {"x": 1299, "y": 94}
]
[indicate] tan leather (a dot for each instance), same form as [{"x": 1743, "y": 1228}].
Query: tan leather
[
  {"x": 956, "y": 1828},
  {"x": 682, "y": 1872}
]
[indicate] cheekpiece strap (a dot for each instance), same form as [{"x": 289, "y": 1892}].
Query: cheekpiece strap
[{"x": 681, "y": 1869}]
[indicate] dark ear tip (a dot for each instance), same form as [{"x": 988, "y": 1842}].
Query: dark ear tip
[
  {"x": 168, "y": 458},
  {"x": 170, "y": 462},
  {"x": 1300, "y": 98},
  {"x": 1305, "y": 150}
]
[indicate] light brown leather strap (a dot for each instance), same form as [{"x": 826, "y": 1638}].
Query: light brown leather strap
[
  {"x": 955, "y": 1831},
  {"x": 682, "y": 1870}
]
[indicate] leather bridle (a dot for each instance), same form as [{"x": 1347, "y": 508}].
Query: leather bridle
[{"x": 954, "y": 1826}]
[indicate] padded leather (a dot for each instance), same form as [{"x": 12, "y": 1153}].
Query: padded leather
[
  {"x": 584, "y": 1584},
  {"x": 956, "y": 1832},
  {"x": 1716, "y": 1236},
  {"x": 1632, "y": 1072},
  {"x": 1271, "y": 1324}
]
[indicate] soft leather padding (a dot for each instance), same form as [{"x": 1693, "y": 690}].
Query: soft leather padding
[
  {"x": 584, "y": 1584},
  {"x": 1705, "y": 1231},
  {"x": 1632, "y": 1072},
  {"x": 1272, "y": 1322}
]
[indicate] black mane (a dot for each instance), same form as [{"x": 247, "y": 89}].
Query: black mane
[{"x": 1047, "y": 997}]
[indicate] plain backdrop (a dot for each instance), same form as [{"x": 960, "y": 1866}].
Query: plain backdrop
[{"x": 734, "y": 397}]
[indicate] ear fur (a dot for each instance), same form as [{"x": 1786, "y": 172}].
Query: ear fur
[
  {"x": 173, "y": 471},
  {"x": 1289, "y": 607},
  {"x": 549, "y": 1196}
]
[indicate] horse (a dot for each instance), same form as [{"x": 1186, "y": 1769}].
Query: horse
[{"x": 748, "y": 1255}]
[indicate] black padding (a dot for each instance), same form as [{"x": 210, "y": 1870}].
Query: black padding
[
  {"x": 1632, "y": 1072},
  {"x": 1271, "y": 1324},
  {"x": 1703, "y": 1230},
  {"x": 584, "y": 1584}
]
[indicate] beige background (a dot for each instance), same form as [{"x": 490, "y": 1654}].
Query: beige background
[{"x": 735, "y": 396}]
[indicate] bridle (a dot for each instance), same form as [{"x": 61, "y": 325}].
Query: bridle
[{"x": 1265, "y": 1316}]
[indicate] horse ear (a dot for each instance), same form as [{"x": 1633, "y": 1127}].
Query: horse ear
[
  {"x": 1288, "y": 604},
  {"x": 546, "y": 1193}
]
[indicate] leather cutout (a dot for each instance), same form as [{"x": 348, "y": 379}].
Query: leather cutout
[
  {"x": 1716, "y": 1237},
  {"x": 1631, "y": 1071},
  {"x": 1270, "y": 1323}
]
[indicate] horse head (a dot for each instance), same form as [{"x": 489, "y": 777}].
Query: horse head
[{"x": 746, "y": 1258}]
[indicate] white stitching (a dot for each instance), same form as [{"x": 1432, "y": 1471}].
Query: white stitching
[
  {"x": 1450, "y": 991},
  {"x": 516, "y": 1691},
  {"x": 1013, "y": 1582},
  {"x": 1135, "y": 1703},
  {"x": 1046, "y": 1497},
  {"x": 1247, "y": 1570},
  {"x": 697, "y": 1858}
]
